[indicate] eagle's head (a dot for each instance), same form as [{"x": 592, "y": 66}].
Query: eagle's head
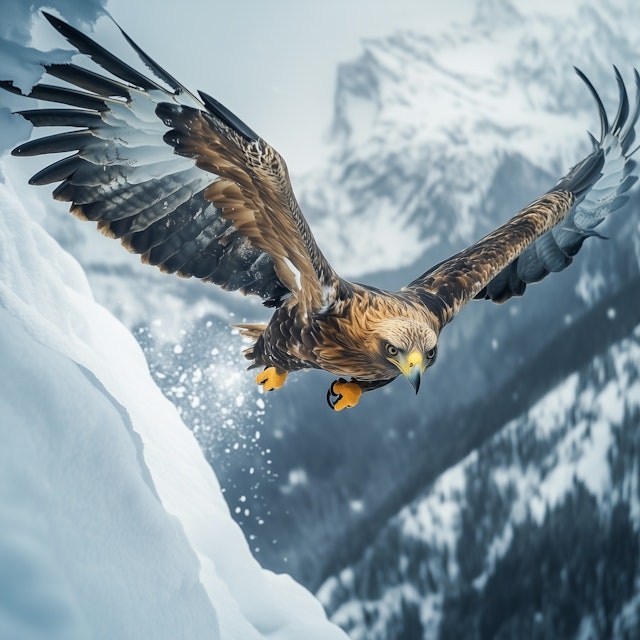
[{"x": 407, "y": 345}]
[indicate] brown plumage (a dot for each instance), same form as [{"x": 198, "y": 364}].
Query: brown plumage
[{"x": 186, "y": 184}]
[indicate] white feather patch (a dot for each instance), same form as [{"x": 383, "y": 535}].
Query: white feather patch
[
  {"x": 295, "y": 272},
  {"x": 328, "y": 298}
]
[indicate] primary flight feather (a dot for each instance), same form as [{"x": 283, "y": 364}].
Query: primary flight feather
[{"x": 183, "y": 182}]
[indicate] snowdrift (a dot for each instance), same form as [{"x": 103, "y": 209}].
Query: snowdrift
[{"x": 112, "y": 524}]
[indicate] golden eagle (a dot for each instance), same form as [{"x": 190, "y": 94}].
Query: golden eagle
[{"x": 183, "y": 182}]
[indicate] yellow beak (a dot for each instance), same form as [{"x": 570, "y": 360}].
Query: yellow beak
[{"x": 413, "y": 367}]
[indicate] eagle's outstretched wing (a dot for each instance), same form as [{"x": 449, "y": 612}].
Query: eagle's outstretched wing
[
  {"x": 545, "y": 235},
  {"x": 179, "y": 179}
]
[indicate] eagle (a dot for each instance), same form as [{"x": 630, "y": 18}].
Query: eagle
[{"x": 187, "y": 185}]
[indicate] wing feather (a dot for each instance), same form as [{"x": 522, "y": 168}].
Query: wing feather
[{"x": 100, "y": 55}]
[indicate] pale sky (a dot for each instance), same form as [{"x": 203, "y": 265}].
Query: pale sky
[{"x": 274, "y": 63}]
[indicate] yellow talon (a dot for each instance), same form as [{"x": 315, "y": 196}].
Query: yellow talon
[
  {"x": 270, "y": 379},
  {"x": 348, "y": 394}
]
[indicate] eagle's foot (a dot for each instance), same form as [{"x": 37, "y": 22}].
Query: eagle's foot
[
  {"x": 343, "y": 394},
  {"x": 271, "y": 378}
]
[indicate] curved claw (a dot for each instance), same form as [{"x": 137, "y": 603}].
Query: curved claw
[
  {"x": 271, "y": 379},
  {"x": 332, "y": 397},
  {"x": 343, "y": 395}
]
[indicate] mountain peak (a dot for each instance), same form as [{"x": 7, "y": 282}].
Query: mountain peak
[{"x": 493, "y": 13}]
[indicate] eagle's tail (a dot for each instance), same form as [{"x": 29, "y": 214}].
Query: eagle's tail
[
  {"x": 248, "y": 330},
  {"x": 252, "y": 331}
]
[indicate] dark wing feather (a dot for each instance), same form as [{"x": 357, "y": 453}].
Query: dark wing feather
[
  {"x": 545, "y": 236},
  {"x": 51, "y": 93},
  {"x": 101, "y": 56},
  {"x": 61, "y": 118},
  {"x": 214, "y": 203},
  {"x": 88, "y": 80}
]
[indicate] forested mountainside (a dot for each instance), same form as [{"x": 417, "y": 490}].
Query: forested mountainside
[{"x": 536, "y": 533}]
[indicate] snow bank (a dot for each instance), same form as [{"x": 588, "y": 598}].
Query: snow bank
[{"x": 112, "y": 524}]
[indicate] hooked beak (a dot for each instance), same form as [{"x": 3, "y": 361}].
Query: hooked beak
[{"x": 413, "y": 368}]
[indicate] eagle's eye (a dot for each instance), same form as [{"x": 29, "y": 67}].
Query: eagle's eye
[
  {"x": 391, "y": 350},
  {"x": 431, "y": 353}
]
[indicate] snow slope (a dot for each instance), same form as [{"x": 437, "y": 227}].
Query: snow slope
[{"x": 112, "y": 524}]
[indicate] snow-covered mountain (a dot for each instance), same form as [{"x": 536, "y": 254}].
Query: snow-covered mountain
[
  {"x": 112, "y": 524},
  {"x": 437, "y": 137},
  {"x": 428, "y": 128},
  {"x": 534, "y": 534}
]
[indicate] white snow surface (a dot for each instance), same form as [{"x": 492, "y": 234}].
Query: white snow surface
[{"x": 112, "y": 524}]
